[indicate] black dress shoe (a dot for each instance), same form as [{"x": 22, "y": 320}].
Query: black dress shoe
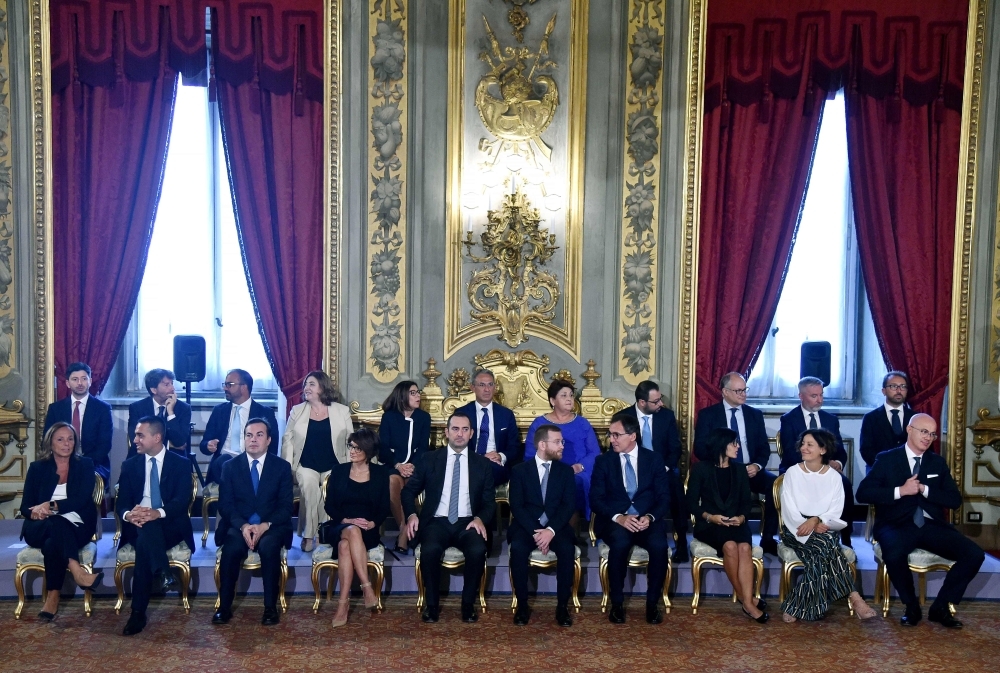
[
  {"x": 653, "y": 614},
  {"x": 911, "y": 617},
  {"x": 46, "y": 617},
  {"x": 271, "y": 617},
  {"x": 562, "y": 616},
  {"x": 769, "y": 546},
  {"x": 944, "y": 618},
  {"x": 469, "y": 614},
  {"x": 761, "y": 604},
  {"x": 135, "y": 624},
  {"x": 431, "y": 614},
  {"x": 222, "y": 617},
  {"x": 165, "y": 581},
  {"x": 616, "y": 615},
  {"x": 521, "y": 616},
  {"x": 681, "y": 555},
  {"x": 760, "y": 620}
]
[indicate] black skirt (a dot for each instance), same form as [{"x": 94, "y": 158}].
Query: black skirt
[{"x": 717, "y": 536}]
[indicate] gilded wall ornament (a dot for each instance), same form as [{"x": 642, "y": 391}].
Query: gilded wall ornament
[
  {"x": 459, "y": 381},
  {"x": 518, "y": 18},
  {"x": 7, "y": 289}
]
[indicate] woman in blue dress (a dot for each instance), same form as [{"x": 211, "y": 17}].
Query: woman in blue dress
[{"x": 581, "y": 442}]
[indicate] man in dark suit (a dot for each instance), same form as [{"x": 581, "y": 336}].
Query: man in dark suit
[
  {"x": 911, "y": 488},
  {"x": 630, "y": 495},
  {"x": 163, "y": 403},
  {"x": 223, "y": 438},
  {"x": 90, "y": 416},
  {"x": 884, "y": 427},
  {"x": 755, "y": 451},
  {"x": 154, "y": 492},
  {"x": 255, "y": 513},
  {"x": 494, "y": 429},
  {"x": 658, "y": 432},
  {"x": 458, "y": 507},
  {"x": 809, "y": 415},
  {"x": 542, "y": 502}
]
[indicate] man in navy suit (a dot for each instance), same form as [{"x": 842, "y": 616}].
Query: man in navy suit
[
  {"x": 223, "y": 438},
  {"x": 154, "y": 492},
  {"x": 884, "y": 427},
  {"x": 542, "y": 502},
  {"x": 162, "y": 403},
  {"x": 809, "y": 415},
  {"x": 630, "y": 495},
  {"x": 911, "y": 488},
  {"x": 494, "y": 428},
  {"x": 89, "y": 415},
  {"x": 255, "y": 513},
  {"x": 748, "y": 423},
  {"x": 658, "y": 432}
]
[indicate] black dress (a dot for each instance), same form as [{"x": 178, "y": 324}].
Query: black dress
[
  {"x": 349, "y": 499},
  {"x": 395, "y": 445},
  {"x": 317, "y": 450},
  {"x": 720, "y": 490}
]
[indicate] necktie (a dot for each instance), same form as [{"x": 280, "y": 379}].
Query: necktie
[
  {"x": 812, "y": 421},
  {"x": 235, "y": 429},
  {"x": 544, "y": 518},
  {"x": 255, "y": 480},
  {"x": 76, "y": 417},
  {"x": 155, "y": 500},
  {"x": 897, "y": 427},
  {"x": 456, "y": 480},
  {"x": 735, "y": 427},
  {"x": 647, "y": 434},
  {"x": 484, "y": 433},
  {"x": 162, "y": 413},
  {"x": 631, "y": 483},
  {"x": 918, "y": 513}
]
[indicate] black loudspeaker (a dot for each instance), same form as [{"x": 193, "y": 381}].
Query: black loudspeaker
[
  {"x": 815, "y": 360},
  {"x": 189, "y": 358}
]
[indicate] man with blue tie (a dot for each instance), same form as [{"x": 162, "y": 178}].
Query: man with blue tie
[
  {"x": 162, "y": 403},
  {"x": 630, "y": 495},
  {"x": 255, "y": 514},
  {"x": 495, "y": 434}
]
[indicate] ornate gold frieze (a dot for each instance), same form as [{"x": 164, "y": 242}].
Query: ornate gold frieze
[
  {"x": 332, "y": 206},
  {"x": 8, "y": 290},
  {"x": 13, "y": 428}
]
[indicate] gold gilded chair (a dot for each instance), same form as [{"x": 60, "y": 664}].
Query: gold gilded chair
[
  {"x": 536, "y": 559},
  {"x": 452, "y": 559},
  {"x": 637, "y": 558},
  {"x": 30, "y": 558},
  {"x": 703, "y": 555},
  {"x": 210, "y": 496},
  {"x": 252, "y": 562},
  {"x": 178, "y": 556},
  {"x": 502, "y": 495}
]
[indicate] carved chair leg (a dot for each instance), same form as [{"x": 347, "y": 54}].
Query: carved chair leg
[{"x": 577, "y": 571}]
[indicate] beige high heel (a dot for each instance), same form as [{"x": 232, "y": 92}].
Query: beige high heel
[
  {"x": 861, "y": 609},
  {"x": 336, "y": 623},
  {"x": 373, "y": 603}
]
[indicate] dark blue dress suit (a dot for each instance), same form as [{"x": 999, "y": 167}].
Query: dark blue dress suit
[
  {"x": 178, "y": 428},
  {"x": 218, "y": 428},
  {"x": 95, "y": 434},
  {"x": 506, "y": 436},
  {"x": 394, "y": 435},
  {"x": 877, "y": 434}
]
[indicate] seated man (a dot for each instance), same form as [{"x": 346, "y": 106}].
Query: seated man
[
  {"x": 494, "y": 430},
  {"x": 154, "y": 491},
  {"x": 458, "y": 506},
  {"x": 542, "y": 501},
  {"x": 255, "y": 513},
  {"x": 223, "y": 438},
  {"x": 630, "y": 495},
  {"x": 90, "y": 416},
  {"x": 163, "y": 403},
  {"x": 911, "y": 488}
]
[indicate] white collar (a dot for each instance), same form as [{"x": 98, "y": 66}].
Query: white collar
[
  {"x": 634, "y": 453},
  {"x": 539, "y": 462},
  {"x": 158, "y": 456},
  {"x": 640, "y": 414},
  {"x": 484, "y": 406},
  {"x": 260, "y": 461},
  {"x": 889, "y": 407},
  {"x": 911, "y": 454}
]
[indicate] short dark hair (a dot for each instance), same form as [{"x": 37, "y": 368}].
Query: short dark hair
[
  {"x": 556, "y": 386},
  {"x": 824, "y": 438},
  {"x": 399, "y": 398},
  {"x": 643, "y": 390},
  {"x": 543, "y": 431},
  {"x": 485, "y": 371},
  {"x": 155, "y": 424},
  {"x": 629, "y": 422},
  {"x": 458, "y": 413},
  {"x": 367, "y": 441},
  {"x": 258, "y": 419},
  {"x": 718, "y": 440},
  {"x": 155, "y": 376},
  {"x": 327, "y": 391},
  {"x": 245, "y": 378},
  {"x": 84, "y": 367},
  {"x": 885, "y": 379}
]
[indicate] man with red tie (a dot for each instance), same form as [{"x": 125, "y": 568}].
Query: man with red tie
[{"x": 89, "y": 415}]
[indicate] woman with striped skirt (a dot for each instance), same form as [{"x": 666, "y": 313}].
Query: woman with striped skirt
[{"x": 812, "y": 502}]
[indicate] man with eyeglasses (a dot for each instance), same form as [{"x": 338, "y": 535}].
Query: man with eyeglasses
[
  {"x": 883, "y": 428},
  {"x": 911, "y": 489},
  {"x": 224, "y": 439},
  {"x": 494, "y": 431},
  {"x": 748, "y": 423}
]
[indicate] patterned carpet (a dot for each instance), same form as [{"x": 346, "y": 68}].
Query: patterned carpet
[{"x": 719, "y": 638}]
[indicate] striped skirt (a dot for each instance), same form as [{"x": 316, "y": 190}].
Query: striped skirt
[{"x": 826, "y": 577}]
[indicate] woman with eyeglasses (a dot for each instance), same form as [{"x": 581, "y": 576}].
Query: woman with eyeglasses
[
  {"x": 357, "y": 499},
  {"x": 404, "y": 434}
]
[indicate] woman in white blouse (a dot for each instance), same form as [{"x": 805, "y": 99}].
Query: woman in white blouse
[{"x": 812, "y": 501}]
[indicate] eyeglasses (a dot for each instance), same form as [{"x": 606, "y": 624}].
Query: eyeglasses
[
  {"x": 485, "y": 384},
  {"x": 927, "y": 434},
  {"x": 655, "y": 402},
  {"x": 231, "y": 384},
  {"x": 897, "y": 386},
  {"x": 737, "y": 391},
  {"x": 353, "y": 447},
  {"x": 616, "y": 435}
]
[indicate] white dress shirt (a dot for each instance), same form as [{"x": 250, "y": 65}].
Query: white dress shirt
[
  {"x": 242, "y": 416},
  {"x": 888, "y": 413},
  {"x": 60, "y": 494},
  {"x": 491, "y": 442},
  {"x": 911, "y": 458},
  {"x": 83, "y": 408},
  {"x": 741, "y": 424},
  {"x": 146, "y": 502},
  {"x": 464, "y": 504},
  {"x": 805, "y": 415}
]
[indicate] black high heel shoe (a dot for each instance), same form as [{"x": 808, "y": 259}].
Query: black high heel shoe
[
  {"x": 760, "y": 620},
  {"x": 46, "y": 617},
  {"x": 95, "y": 583}
]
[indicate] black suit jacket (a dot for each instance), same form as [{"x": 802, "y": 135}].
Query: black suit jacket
[
  {"x": 710, "y": 418},
  {"x": 526, "y": 504},
  {"x": 394, "y": 433},
  {"x": 877, "y": 435},
  {"x": 218, "y": 427},
  {"x": 506, "y": 434},
  {"x": 428, "y": 476},
  {"x": 704, "y": 496},
  {"x": 178, "y": 429},
  {"x": 666, "y": 438},
  {"x": 892, "y": 469},
  {"x": 272, "y": 501},
  {"x": 793, "y": 424},
  {"x": 609, "y": 497},
  {"x": 376, "y": 506},
  {"x": 95, "y": 434},
  {"x": 175, "y": 491},
  {"x": 42, "y": 479}
]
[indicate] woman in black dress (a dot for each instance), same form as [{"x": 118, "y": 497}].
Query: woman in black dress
[
  {"x": 357, "y": 498},
  {"x": 404, "y": 434},
  {"x": 719, "y": 497}
]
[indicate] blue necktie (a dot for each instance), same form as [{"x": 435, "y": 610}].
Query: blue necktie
[
  {"x": 647, "y": 434},
  {"x": 918, "y": 513},
  {"x": 456, "y": 480},
  {"x": 544, "y": 518},
  {"x": 255, "y": 480},
  {"x": 631, "y": 483},
  {"x": 155, "y": 500},
  {"x": 897, "y": 427},
  {"x": 235, "y": 430},
  {"x": 735, "y": 427},
  {"x": 812, "y": 421},
  {"x": 484, "y": 433}
]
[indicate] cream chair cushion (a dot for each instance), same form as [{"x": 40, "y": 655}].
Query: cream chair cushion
[
  {"x": 179, "y": 553},
  {"x": 636, "y": 554},
  {"x": 700, "y": 549},
  {"x": 537, "y": 556},
  {"x": 451, "y": 555},
  {"x": 211, "y": 490},
  {"x": 324, "y": 552},
  {"x": 918, "y": 557},
  {"x": 33, "y": 556},
  {"x": 253, "y": 558}
]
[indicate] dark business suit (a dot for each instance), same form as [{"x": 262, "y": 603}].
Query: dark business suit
[
  {"x": 506, "y": 437},
  {"x": 394, "y": 434},
  {"x": 704, "y": 497},
  {"x": 154, "y": 538},
  {"x": 877, "y": 435},
  {"x": 272, "y": 503},
  {"x": 218, "y": 428},
  {"x": 374, "y": 506},
  {"x": 526, "y": 508},
  {"x": 898, "y": 535},
  {"x": 178, "y": 428},
  {"x": 608, "y": 497},
  {"x": 435, "y": 532},
  {"x": 95, "y": 433}
]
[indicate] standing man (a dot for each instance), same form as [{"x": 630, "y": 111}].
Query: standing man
[
  {"x": 154, "y": 491},
  {"x": 255, "y": 513},
  {"x": 223, "y": 438},
  {"x": 90, "y": 416},
  {"x": 884, "y": 427},
  {"x": 658, "y": 432},
  {"x": 163, "y": 403},
  {"x": 630, "y": 494},
  {"x": 748, "y": 423},
  {"x": 911, "y": 488},
  {"x": 494, "y": 432},
  {"x": 459, "y": 505},
  {"x": 542, "y": 502}
]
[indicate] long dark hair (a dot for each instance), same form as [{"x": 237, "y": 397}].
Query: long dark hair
[{"x": 718, "y": 440}]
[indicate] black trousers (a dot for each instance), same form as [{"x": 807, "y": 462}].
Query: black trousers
[
  {"x": 653, "y": 540},
  {"x": 437, "y": 536},
  {"x": 678, "y": 507},
  {"x": 848, "y": 514},
  {"x": 763, "y": 482},
  {"x": 522, "y": 543},
  {"x": 151, "y": 544},
  {"x": 234, "y": 552},
  {"x": 938, "y": 538},
  {"x": 215, "y": 467},
  {"x": 59, "y": 541}
]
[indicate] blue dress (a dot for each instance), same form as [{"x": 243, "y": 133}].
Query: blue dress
[{"x": 581, "y": 447}]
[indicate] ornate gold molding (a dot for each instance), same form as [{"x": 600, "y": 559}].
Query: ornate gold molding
[
  {"x": 13, "y": 428},
  {"x": 332, "y": 205},
  {"x": 8, "y": 286}
]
